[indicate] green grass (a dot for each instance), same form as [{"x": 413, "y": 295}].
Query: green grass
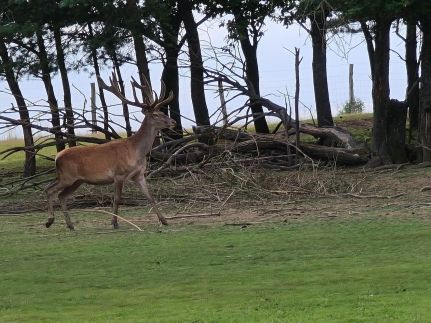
[
  {"x": 15, "y": 161},
  {"x": 358, "y": 124},
  {"x": 353, "y": 116},
  {"x": 356, "y": 270}
]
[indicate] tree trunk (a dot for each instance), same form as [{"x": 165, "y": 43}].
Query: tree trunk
[
  {"x": 425, "y": 92},
  {"x": 381, "y": 92},
  {"x": 196, "y": 65},
  {"x": 139, "y": 45},
  {"x": 412, "y": 66},
  {"x": 320, "y": 79},
  {"x": 70, "y": 120},
  {"x": 30, "y": 157},
  {"x": 252, "y": 73},
  {"x": 141, "y": 59},
  {"x": 101, "y": 93},
  {"x": 396, "y": 131},
  {"x": 170, "y": 74},
  {"x": 389, "y": 117},
  {"x": 121, "y": 84},
  {"x": 52, "y": 100},
  {"x": 171, "y": 79},
  {"x": 370, "y": 45}
]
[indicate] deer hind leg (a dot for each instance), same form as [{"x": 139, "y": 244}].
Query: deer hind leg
[
  {"x": 117, "y": 198},
  {"x": 142, "y": 182},
  {"x": 51, "y": 192},
  {"x": 65, "y": 193}
]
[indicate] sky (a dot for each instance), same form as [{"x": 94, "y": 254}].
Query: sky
[{"x": 276, "y": 66}]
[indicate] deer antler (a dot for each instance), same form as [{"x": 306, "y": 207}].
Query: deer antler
[
  {"x": 114, "y": 88},
  {"x": 146, "y": 88},
  {"x": 150, "y": 102},
  {"x": 165, "y": 101}
]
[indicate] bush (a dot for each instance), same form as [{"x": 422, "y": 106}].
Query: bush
[{"x": 357, "y": 106}]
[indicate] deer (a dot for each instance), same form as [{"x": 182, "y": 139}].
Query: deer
[{"x": 114, "y": 162}]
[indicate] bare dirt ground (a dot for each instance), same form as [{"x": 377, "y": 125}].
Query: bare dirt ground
[{"x": 246, "y": 197}]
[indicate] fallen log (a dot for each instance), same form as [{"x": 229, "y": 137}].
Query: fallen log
[
  {"x": 240, "y": 141},
  {"x": 342, "y": 156},
  {"x": 335, "y": 135}
]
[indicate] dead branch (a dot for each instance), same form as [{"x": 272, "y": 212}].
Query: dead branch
[
  {"x": 110, "y": 213},
  {"x": 197, "y": 215},
  {"x": 375, "y": 196},
  {"x": 169, "y": 161}
]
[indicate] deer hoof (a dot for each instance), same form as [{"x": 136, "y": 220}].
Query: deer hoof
[
  {"x": 163, "y": 222},
  {"x": 49, "y": 222}
]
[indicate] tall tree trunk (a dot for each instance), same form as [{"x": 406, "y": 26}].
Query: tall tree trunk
[
  {"x": 252, "y": 72},
  {"x": 425, "y": 92},
  {"x": 389, "y": 116},
  {"x": 141, "y": 59},
  {"x": 139, "y": 45},
  {"x": 370, "y": 45},
  {"x": 381, "y": 92},
  {"x": 320, "y": 79},
  {"x": 171, "y": 79},
  {"x": 30, "y": 157},
  {"x": 196, "y": 65},
  {"x": 396, "y": 131},
  {"x": 170, "y": 74},
  {"x": 70, "y": 120},
  {"x": 52, "y": 100},
  {"x": 101, "y": 92},
  {"x": 412, "y": 67},
  {"x": 121, "y": 84}
]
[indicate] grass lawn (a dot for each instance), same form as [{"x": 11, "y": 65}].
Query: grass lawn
[{"x": 340, "y": 270}]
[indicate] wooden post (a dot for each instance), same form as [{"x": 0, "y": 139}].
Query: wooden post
[
  {"x": 222, "y": 102},
  {"x": 93, "y": 106},
  {"x": 351, "y": 91}
]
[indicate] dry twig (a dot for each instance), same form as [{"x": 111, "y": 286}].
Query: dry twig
[{"x": 120, "y": 217}]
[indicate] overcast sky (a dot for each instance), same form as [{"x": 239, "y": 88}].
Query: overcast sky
[{"x": 276, "y": 64}]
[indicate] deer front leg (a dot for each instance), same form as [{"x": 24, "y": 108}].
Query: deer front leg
[
  {"x": 117, "y": 198},
  {"x": 142, "y": 182}
]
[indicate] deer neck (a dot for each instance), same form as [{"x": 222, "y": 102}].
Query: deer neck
[{"x": 144, "y": 138}]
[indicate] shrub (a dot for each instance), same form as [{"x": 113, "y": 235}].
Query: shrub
[{"x": 357, "y": 106}]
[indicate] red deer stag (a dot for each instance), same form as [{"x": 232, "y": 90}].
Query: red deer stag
[{"x": 113, "y": 162}]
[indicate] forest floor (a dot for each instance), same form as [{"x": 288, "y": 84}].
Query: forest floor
[{"x": 250, "y": 196}]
